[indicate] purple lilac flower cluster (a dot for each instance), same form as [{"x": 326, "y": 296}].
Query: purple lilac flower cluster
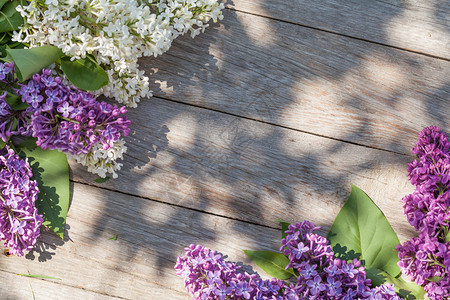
[
  {"x": 426, "y": 258},
  {"x": 11, "y": 122},
  {"x": 70, "y": 120},
  {"x": 19, "y": 220},
  {"x": 208, "y": 276},
  {"x": 59, "y": 116},
  {"x": 320, "y": 275}
]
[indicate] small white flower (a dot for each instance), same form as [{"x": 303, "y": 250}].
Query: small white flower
[
  {"x": 100, "y": 161},
  {"x": 121, "y": 32}
]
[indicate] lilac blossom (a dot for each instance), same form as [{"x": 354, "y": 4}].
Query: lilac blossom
[
  {"x": 6, "y": 72},
  {"x": 11, "y": 122},
  {"x": 208, "y": 276},
  {"x": 319, "y": 275},
  {"x": 63, "y": 118},
  {"x": 68, "y": 119},
  {"x": 19, "y": 219},
  {"x": 426, "y": 259}
]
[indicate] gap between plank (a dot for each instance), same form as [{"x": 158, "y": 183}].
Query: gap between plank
[
  {"x": 281, "y": 126},
  {"x": 171, "y": 204},
  {"x": 340, "y": 34}
]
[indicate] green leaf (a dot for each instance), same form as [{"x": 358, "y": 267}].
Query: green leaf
[
  {"x": 114, "y": 237},
  {"x": 4, "y": 38},
  {"x": 38, "y": 276},
  {"x": 31, "y": 61},
  {"x": 284, "y": 227},
  {"x": 2, "y": 3},
  {"x": 361, "y": 229},
  {"x": 407, "y": 290},
  {"x": 84, "y": 73},
  {"x": 435, "y": 279},
  {"x": 15, "y": 102},
  {"x": 10, "y": 18},
  {"x": 447, "y": 236},
  {"x": 101, "y": 180},
  {"x": 4, "y": 55},
  {"x": 14, "y": 124},
  {"x": 51, "y": 171},
  {"x": 273, "y": 263}
]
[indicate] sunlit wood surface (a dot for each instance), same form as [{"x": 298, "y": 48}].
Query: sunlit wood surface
[{"x": 271, "y": 113}]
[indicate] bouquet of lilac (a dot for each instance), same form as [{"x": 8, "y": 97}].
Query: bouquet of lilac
[
  {"x": 51, "y": 54},
  {"x": 320, "y": 276},
  {"x": 426, "y": 258},
  {"x": 56, "y": 119},
  {"x": 60, "y": 116}
]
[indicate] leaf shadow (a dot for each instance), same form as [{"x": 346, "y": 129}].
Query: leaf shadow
[
  {"x": 342, "y": 252},
  {"x": 48, "y": 200},
  {"x": 47, "y": 205},
  {"x": 47, "y": 244}
]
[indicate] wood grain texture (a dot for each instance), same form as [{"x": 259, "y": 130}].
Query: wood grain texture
[
  {"x": 307, "y": 80},
  {"x": 139, "y": 264},
  {"x": 422, "y": 26},
  {"x": 16, "y": 287},
  {"x": 255, "y": 120},
  {"x": 251, "y": 171}
]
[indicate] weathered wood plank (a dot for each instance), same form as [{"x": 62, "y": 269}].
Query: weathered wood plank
[
  {"x": 249, "y": 170},
  {"x": 17, "y": 287},
  {"x": 422, "y": 26},
  {"x": 307, "y": 80},
  {"x": 139, "y": 264}
]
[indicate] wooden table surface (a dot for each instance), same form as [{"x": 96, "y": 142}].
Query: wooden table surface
[{"x": 271, "y": 113}]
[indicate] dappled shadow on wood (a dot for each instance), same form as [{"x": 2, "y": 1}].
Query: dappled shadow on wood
[
  {"x": 253, "y": 127},
  {"x": 149, "y": 145},
  {"x": 47, "y": 244}
]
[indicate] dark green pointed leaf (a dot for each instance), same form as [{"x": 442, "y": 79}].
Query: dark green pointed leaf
[
  {"x": 361, "y": 229},
  {"x": 14, "y": 124},
  {"x": 273, "y": 263},
  {"x": 31, "y": 61},
  {"x": 407, "y": 290},
  {"x": 2, "y": 3},
  {"x": 84, "y": 73},
  {"x": 10, "y": 18},
  {"x": 15, "y": 102},
  {"x": 284, "y": 227},
  {"x": 51, "y": 171},
  {"x": 4, "y": 38},
  {"x": 434, "y": 279},
  {"x": 4, "y": 54}
]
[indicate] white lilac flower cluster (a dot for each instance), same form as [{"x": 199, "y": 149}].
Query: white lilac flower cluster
[
  {"x": 100, "y": 161},
  {"x": 116, "y": 32}
]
